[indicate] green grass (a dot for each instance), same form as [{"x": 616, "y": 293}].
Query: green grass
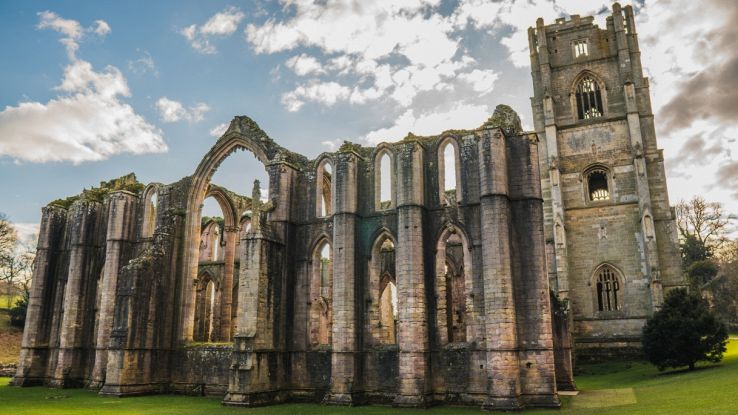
[
  {"x": 8, "y": 301},
  {"x": 614, "y": 388}
]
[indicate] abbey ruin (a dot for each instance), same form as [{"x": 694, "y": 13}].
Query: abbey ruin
[{"x": 371, "y": 275}]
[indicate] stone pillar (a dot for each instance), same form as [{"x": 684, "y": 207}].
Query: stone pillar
[
  {"x": 83, "y": 225},
  {"x": 345, "y": 353},
  {"x": 412, "y": 336},
  {"x": 501, "y": 324},
  {"x": 231, "y": 235},
  {"x": 121, "y": 234},
  {"x": 34, "y": 348}
]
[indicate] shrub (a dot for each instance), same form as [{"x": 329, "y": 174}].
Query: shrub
[
  {"x": 683, "y": 332},
  {"x": 18, "y": 313}
]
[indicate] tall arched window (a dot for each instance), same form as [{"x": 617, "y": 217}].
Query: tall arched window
[
  {"x": 324, "y": 189},
  {"x": 608, "y": 289},
  {"x": 454, "y": 308},
  {"x": 150, "y": 207},
  {"x": 381, "y": 293},
  {"x": 384, "y": 181},
  {"x": 206, "y": 315},
  {"x": 321, "y": 294},
  {"x": 589, "y": 98},
  {"x": 448, "y": 172},
  {"x": 598, "y": 189}
]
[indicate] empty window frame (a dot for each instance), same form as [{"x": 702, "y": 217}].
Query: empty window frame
[
  {"x": 598, "y": 189},
  {"x": 324, "y": 187},
  {"x": 384, "y": 181},
  {"x": 589, "y": 99},
  {"x": 608, "y": 290},
  {"x": 581, "y": 48},
  {"x": 448, "y": 172}
]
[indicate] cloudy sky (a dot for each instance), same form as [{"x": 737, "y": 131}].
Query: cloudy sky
[{"x": 94, "y": 90}]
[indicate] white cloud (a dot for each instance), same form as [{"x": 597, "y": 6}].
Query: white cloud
[
  {"x": 221, "y": 24},
  {"x": 173, "y": 111},
  {"x": 304, "y": 65},
  {"x": 481, "y": 81},
  {"x": 27, "y": 232},
  {"x": 326, "y": 93},
  {"x": 71, "y": 29},
  {"x": 143, "y": 65},
  {"x": 219, "y": 130},
  {"x": 87, "y": 122},
  {"x": 430, "y": 123}
]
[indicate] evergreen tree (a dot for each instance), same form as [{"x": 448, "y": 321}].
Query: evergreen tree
[{"x": 683, "y": 332}]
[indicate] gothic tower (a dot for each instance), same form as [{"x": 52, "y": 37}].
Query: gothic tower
[{"x": 611, "y": 238}]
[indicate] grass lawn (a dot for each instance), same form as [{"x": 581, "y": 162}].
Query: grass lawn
[{"x": 616, "y": 388}]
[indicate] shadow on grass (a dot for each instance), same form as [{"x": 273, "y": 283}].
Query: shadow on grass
[{"x": 688, "y": 370}]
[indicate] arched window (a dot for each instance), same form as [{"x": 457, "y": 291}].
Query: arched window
[
  {"x": 384, "y": 181},
  {"x": 448, "y": 172},
  {"x": 324, "y": 188},
  {"x": 206, "y": 315},
  {"x": 381, "y": 293},
  {"x": 589, "y": 99},
  {"x": 608, "y": 289},
  {"x": 454, "y": 309},
  {"x": 150, "y": 207},
  {"x": 598, "y": 189},
  {"x": 321, "y": 294}
]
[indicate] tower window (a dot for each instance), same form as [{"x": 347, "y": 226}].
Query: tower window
[
  {"x": 589, "y": 99},
  {"x": 597, "y": 185},
  {"x": 608, "y": 290},
  {"x": 580, "y": 48}
]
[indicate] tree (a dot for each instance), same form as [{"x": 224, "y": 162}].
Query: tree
[
  {"x": 703, "y": 221},
  {"x": 683, "y": 332}
]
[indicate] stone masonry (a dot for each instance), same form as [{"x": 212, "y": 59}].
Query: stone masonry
[{"x": 371, "y": 275}]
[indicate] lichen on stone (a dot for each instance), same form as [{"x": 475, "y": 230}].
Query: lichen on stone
[{"x": 506, "y": 119}]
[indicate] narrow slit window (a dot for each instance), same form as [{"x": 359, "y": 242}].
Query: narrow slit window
[
  {"x": 325, "y": 189},
  {"x": 589, "y": 99},
  {"x": 385, "y": 182},
  {"x": 597, "y": 185},
  {"x": 608, "y": 290}
]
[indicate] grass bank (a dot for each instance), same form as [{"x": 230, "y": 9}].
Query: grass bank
[{"x": 615, "y": 388}]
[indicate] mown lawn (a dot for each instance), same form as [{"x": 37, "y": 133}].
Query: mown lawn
[{"x": 617, "y": 388}]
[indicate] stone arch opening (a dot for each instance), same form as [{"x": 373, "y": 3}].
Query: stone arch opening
[
  {"x": 382, "y": 292},
  {"x": 151, "y": 202},
  {"x": 588, "y": 96},
  {"x": 384, "y": 180},
  {"x": 608, "y": 288},
  {"x": 321, "y": 293},
  {"x": 324, "y": 188},
  {"x": 449, "y": 171},
  {"x": 453, "y": 286},
  {"x": 199, "y": 190},
  {"x": 207, "y": 305}
]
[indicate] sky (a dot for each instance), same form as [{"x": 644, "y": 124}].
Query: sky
[{"x": 90, "y": 91}]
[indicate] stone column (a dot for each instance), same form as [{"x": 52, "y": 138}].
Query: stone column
[
  {"x": 345, "y": 353},
  {"x": 412, "y": 336},
  {"x": 82, "y": 219},
  {"x": 501, "y": 324},
  {"x": 34, "y": 348},
  {"x": 121, "y": 234},
  {"x": 231, "y": 235}
]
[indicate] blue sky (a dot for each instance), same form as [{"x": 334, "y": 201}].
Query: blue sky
[{"x": 94, "y": 90}]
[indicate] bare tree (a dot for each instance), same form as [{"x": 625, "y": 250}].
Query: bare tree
[
  {"x": 703, "y": 221},
  {"x": 16, "y": 261}
]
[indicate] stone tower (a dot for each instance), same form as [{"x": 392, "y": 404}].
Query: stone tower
[{"x": 610, "y": 233}]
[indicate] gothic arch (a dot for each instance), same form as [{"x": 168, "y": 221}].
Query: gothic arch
[
  {"x": 150, "y": 208},
  {"x": 586, "y": 73},
  {"x": 242, "y": 134},
  {"x": 377, "y": 281},
  {"x": 449, "y": 140},
  {"x": 324, "y": 196},
  {"x": 382, "y": 150},
  {"x": 444, "y": 310},
  {"x": 608, "y": 288},
  {"x": 227, "y": 206}
]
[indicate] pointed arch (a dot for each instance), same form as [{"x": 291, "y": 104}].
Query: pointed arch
[
  {"x": 321, "y": 292},
  {"x": 324, "y": 186},
  {"x": 381, "y": 310},
  {"x": 607, "y": 282},
  {"x": 449, "y": 171},
  {"x": 385, "y": 187},
  {"x": 588, "y": 96},
  {"x": 454, "y": 285},
  {"x": 150, "y": 209}
]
